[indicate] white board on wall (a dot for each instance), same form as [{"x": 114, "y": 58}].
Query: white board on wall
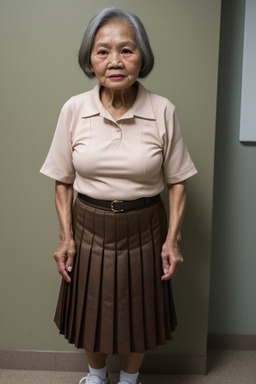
[{"x": 248, "y": 95}]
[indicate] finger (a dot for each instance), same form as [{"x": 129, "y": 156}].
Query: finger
[
  {"x": 172, "y": 271},
  {"x": 168, "y": 275},
  {"x": 62, "y": 271},
  {"x": 65, "y": 276},
  {"x": 165, "y": 265},
  {"x": 70, "y": 262},
  {"x": 61, "y": 267}
]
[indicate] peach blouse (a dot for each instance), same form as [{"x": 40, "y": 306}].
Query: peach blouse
[{"x": 125, "y": 159}]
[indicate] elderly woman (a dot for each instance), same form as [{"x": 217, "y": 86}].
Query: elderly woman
[{"x": 116, "y": 146}]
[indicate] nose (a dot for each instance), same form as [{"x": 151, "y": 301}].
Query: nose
[{"x": 115, "y": 60}]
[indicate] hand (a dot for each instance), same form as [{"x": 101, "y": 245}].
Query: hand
[
  {"x": 171, "y": 259},
  {"x": 64, "y": 257}
]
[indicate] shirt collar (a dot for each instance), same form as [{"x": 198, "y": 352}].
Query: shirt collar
[
  {"x": 92, "y": 104},
  {"x": 141, "y": 108}
]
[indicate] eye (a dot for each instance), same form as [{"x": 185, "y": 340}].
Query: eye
[
  {"x": 102, "y": 52},
  {"x": 126, "y": 51}
]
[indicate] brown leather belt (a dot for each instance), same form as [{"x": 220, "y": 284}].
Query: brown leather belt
[{"x": 118, "y": 205}]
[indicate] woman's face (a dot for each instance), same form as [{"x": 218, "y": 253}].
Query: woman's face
[{"x": 116, "y": 58}]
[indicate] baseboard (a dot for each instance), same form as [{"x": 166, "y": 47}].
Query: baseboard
[
  {"x": 153, "y": 364},
  {"x": 241, "y": 342},
  {"x": 76, "y": 362}
]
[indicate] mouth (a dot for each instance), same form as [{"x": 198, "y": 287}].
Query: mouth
[{"x": 116, "y": 77}]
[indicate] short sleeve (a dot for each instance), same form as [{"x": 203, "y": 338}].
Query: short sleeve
[
  {"x": 58, "y": 164},
  {"x": 177, "y": 164}
]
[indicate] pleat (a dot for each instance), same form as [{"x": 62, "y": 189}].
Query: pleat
[
  {"x": 107, "y": 318},
  {"x": 60, "y": 308},
  {"x": 73, "y": 297},
  {"x": 67, "y": 311},
  {"x": 82, "y": 265},
  {"x": 116, "y": 302},
  {"x": 169, "y": 308},
  {"x": 158, "y": 239},
  {"x": 147, "y": 259},
  {"x": 122, "y": 318},
  {"x": 136, "y": 285},
  {"x": 94, "y": 283}
]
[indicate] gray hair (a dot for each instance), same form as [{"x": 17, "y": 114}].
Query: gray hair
[{"x": 104, "y": 17}]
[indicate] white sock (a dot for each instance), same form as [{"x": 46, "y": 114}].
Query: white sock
[
  {"x": 102, "y": 372},
  {"x": 130, "y": 377}
]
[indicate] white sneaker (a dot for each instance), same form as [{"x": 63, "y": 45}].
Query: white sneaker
[
  {"x": 93, "y": 379},
  {"x": 124, "y": 382}
]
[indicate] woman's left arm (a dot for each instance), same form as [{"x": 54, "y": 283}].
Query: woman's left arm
[{"x": 171, "y": 255}]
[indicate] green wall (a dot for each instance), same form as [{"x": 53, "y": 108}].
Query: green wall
[
  {"x": 39, "y": 45},
  {"x": 233, "y": 283}
]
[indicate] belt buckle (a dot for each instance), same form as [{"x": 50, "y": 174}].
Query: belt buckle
[{"x": 113, "y": 208}]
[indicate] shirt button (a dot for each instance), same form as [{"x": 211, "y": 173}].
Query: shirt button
[{"x": 118, "y": 129}]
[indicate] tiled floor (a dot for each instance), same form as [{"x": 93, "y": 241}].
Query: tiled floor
[{"x": 224, "y": 367}]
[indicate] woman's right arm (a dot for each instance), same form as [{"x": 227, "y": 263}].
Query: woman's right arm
[{"x": 64, "y": 256}]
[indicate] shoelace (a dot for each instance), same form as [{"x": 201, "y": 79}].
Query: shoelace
[{"x": 91, "y": 379}]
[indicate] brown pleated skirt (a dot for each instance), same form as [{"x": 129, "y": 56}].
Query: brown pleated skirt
[{"x": 116, "y": 302}]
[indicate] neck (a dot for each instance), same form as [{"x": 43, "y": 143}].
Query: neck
[{"x": 121, "y": 99}]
